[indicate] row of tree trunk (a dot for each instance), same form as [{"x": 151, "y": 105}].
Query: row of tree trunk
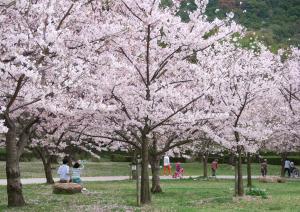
[{"x": 14, "y": 188}]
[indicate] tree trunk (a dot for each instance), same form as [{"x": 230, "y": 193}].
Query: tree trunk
[
  {"x": 155, "y": 169},
  {"x": 14, "y": 186},
  {"x": 240, "y": 188},
  {"x": 283, "y": 158},
  {"x": 205, "y": 166},
  {"x": 48, "y": 171},
  {"x": 145, "y": 190},
  {"x": 249, "y": 179},
  {"x": 235, "y": 176},
  {"x": 46, "y": 163},
  {"x": 138, "y": 196}
]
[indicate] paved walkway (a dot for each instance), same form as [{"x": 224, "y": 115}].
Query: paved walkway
[{"x": 27, "y": 181}]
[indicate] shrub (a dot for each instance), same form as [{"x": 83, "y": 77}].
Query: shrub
[
  {"x": 253, "y": 191},
  {"x": 275, "y": 160},
  {"x": 120, "y": 158},
  {"x": 27, "y": 156},
  {"x": 177, "y": 159},
  {"x": 2, "y": 155}
]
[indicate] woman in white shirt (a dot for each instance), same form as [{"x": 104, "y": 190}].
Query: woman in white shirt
[{"x": 64, "y": 172}]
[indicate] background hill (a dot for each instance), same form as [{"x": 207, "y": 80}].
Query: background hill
[{"x": 276, "y": 22}]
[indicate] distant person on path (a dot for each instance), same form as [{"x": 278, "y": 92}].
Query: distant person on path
[
  {"x": 76, "y": 171},
  {"x": 64, "y": 172},
  {"x": 287, "y": 167},
  {"x": 167, "y": 165},
  {"x": 214, "y": 167},
  {"x": 264, "y": 168}
]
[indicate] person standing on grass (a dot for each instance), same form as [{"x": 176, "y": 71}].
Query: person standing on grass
[
  {"x": 264, "y": 168},
  {"x": 214, "y": 167},
  {"x": 287, "y": 167},
  {"x": 167, "y": 165},
  {"x": 64, "y": 172}
]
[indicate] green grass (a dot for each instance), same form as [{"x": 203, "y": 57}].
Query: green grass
[
  {"x": 178, "y": 195},
  {"x": 35, "y": 169}
]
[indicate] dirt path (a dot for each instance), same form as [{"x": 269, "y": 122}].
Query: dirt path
[{"x": 106, "y": 178}]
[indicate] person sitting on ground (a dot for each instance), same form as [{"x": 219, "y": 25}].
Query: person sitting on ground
[
  {"x": 264, "y": 168},
  {"x": 76, "y": 171},
  {"x": 214, "y": 167},
  {"x": 64, "y": 172}
]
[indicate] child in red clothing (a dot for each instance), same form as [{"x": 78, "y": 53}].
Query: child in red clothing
[{"x": 179, "y": 171}]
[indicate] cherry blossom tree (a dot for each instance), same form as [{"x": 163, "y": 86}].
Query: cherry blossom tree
[
  {"x": 43, "y": 67},
  {"x": 284, "y": 115},
  {"x": 242, "y": 81},
  {"x": 153, "y": 81},
  {"x": 126, "y": 64}
]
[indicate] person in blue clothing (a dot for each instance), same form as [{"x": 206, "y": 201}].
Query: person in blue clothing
[{"x": 76, "y": 172}]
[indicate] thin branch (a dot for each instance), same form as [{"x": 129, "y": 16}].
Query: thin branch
[
  {"x": 131, "y": 11},
  {"x": 123, "y": 104},
  {"x": 17, "y": 90},
  {"x": 26, "y": 104},
  {"x": 164, "y": 63},
  {"x": 65, "y": 16},
  {"x": 148, "y": 55},
  {"x": 138, "y": 70},
  {"x": 173, "y": 114},
  {"x": 202, "y": 49},
  {"x": 108, "y": 137}
]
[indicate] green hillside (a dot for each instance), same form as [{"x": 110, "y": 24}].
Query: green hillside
[{"x": 276, "y": 22}]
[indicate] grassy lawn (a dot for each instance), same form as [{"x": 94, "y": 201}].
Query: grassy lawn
[
  {"x": 179, "y": 195},
  {"x": 35, "y": 169}
]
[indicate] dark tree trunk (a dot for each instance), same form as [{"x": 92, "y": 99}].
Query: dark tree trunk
[
  {"x": 46, "y": 163},
  {"x": 283, "y": 158},
  {"x": 205, "y": 165},
  {"x": 155, "y": 169},
  {"x": 48, "y": 171},
  {"x": 14, "y": 186},
  {"x": 249, "y": 178},
  {"x": 239, "y": 186},
  {"x": 145, "y": 188},
  {"x": 235, "y": 176}
]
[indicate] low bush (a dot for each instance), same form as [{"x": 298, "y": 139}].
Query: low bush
[
  {"x": 276, "y": 160},
  {"x": 253, "y": 191},
  {"x": 120, "y": 158},
  {"x": 27, "y": 156},
  {"x": 177, "y": 159}
]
